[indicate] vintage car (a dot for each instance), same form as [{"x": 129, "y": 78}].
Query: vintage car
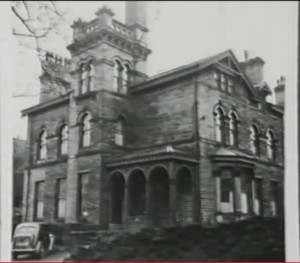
[{"x": 32, "y": 238}]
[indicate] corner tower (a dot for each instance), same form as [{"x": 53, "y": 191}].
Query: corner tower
[{"x": 112, "y": 48}]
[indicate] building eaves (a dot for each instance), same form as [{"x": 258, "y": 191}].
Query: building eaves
[{"x": 45, "y": 105}]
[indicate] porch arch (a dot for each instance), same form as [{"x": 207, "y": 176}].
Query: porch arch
[
  {"x": 117, "y": 190},
  {"x": 159, "y": 186},
  {"x": 136, "y": 193},
  {"x": 184, "y": 195}
]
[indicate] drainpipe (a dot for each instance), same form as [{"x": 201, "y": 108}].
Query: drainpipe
[
  {"x": 29, "y": 168},
  {"x": 197, "y": 137}
]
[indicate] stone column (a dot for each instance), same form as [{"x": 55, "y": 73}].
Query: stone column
[
  {"x": 173, "y": 194},
  {"x": 218, "y": 193},
  {"x": 148, "y": 201},
  {"x": 125, "y": 204},
  {"x": 237, "y": 191},
  {"x": 72, "y": 173}
]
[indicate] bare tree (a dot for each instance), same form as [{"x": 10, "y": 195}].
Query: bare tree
[{"x": 35, "y": 21}]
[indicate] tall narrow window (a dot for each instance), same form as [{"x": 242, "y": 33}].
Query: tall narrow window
[
  {"x": 223, "y": 82},
  {"x": 117, "y": 84},
  {"x": 64, "y": 140},
  {"x": 82, "y": 193},
  {"x": 119, "y": 136},
  {"x": 39, "y": 199},
  {"x": 257, "y": 196},
  {"x": 233, "y": 129},
  {"x": 86, "y": 130},
  {"x": 246, "y": 189},
  {"x": 217, "y": 78},
  {"x": 84, "y": 78},
  {"x": 254, "y": 140},
  {"x": 274, "y": 198},
  {"x": 125, "y": 74},
  {"x": 226, "y": 192},
  {"x": 219, "y": 124},
  {"x": 271, "y": 145},
  {"x": 230, "y": 86},
  {"x": 60, "y": 198},
  {"x": 42, "y": 145},
  {"x": 91, "y": 77}
]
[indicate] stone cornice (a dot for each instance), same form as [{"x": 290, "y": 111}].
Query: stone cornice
[{"x": 114, "y": 38}]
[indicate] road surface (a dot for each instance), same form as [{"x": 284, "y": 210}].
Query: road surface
[{"x": 57, "y": 257}]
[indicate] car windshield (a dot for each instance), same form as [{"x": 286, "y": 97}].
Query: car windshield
[{"x": 26, "y": 230}]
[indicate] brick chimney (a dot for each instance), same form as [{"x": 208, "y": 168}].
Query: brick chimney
[{"x": 279, "y": 91}]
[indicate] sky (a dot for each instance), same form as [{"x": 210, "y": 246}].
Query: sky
[{"x": 180, "y": 32}]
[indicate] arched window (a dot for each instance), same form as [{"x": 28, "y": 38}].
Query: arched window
[
  {"x": 63, "y": 139},
  {"x": 233, "y": 129},
  {"x": 119, "y": 132},
  {"x": 270, "y": 144},
  {"x": 219, "y": 124},
  {"x": 125, "y": 77},
  {"x": 84, "y": 74},
  {"x": 42, "y": 145},
  {"x": 91, "y": 76},
  {"x": 254, "y": 140},
  {"x": 86, "y": 130},
  {"x": 117, "y": 85}
]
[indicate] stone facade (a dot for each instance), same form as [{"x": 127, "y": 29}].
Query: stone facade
[{"x": 170, "y": 166}]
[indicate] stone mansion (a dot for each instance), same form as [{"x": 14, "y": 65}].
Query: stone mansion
[{"x": 109, "y": 145}]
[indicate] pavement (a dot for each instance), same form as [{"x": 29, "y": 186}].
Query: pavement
[{"x": 56, "y": 257}]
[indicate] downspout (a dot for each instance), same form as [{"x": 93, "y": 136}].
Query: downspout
[
  {"x": 29, "y": 149},
  {"x": 197, "y": 137}
]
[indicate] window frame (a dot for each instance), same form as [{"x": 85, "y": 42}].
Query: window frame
[
  {"x": 85, "y": 130},
  {"x": 42, "y": 145},
  {"x": 39, "y": 198},
  {"x": 219, "y": 119},
  {"x": 63, "y": 142},
  {"x": 254, "y": 140},
  {"x": 59, "y": 198},
  {"x": 233, "y": 128}
]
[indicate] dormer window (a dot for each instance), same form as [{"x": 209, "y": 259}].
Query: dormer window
[
  {"x": 224, "y": 82},
  {"x": 230, "y": 86}
]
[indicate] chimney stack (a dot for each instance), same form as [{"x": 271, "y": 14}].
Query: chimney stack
[
  {"x": 279, "y": 91},
  {"x": 136, "y": 18},
  {"x": 136, "y": 13},
  {"x": 246, "y": 55}
]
